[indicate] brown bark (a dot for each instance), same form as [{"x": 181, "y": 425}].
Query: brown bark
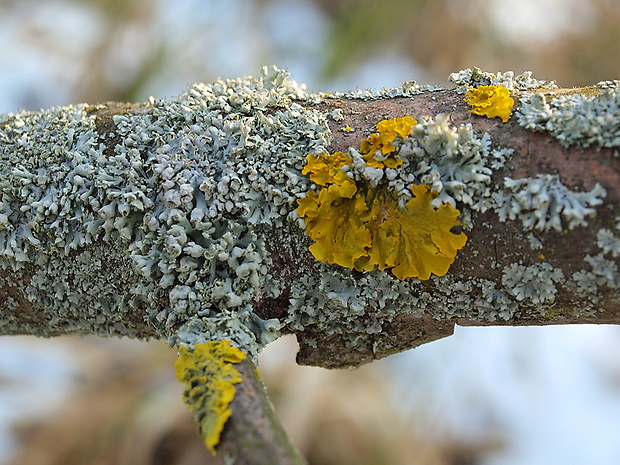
[
  {"x": 485, "y": 255},
  {"x": 253, "y": 435}
]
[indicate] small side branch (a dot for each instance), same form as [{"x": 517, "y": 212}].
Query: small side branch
[{"x": 253, "y": 435}]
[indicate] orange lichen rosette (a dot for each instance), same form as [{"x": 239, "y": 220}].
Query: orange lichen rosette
[
  {"x": 418, "y": 238},
  {"x": 337, "y": 227},
  {"x": 360, "y": 225},
  {"x": 369, "y": 229}
]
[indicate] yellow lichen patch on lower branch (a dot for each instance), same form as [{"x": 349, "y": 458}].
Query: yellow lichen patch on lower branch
[{"x": 209, "y": 376}]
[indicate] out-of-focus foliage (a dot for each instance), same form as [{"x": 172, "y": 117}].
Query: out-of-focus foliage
[
  {"x": 126, "y": 409},
  {"x": 575, "y": 42},
  {"x": 57, "y": 52},
  {"x": 360, "y": 27},
  {"x": 99, "y": 50}
]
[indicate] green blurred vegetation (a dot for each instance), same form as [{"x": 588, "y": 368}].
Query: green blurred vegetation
[
  {"x": 142, "y": 47},
  {"x": 443, "y": 36}
]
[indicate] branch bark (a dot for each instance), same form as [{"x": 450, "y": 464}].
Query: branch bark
[
  {"x": 494, "y": 244},
  {"x": 254, "y": 435},
  {"x": 92, "y": 239},
  {"x": 176, "y": 218}
]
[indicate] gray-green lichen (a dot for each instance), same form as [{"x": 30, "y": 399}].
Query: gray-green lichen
[
  {"x": 454, "y": 161},
  {"x": 545, "y": 203},
  {"x": 602, "y": 270},
  {"x": 180, "y": 196},
  {"x": 609, "y": 242},
  {"x": 184, "y": 211},
  {"x": 575, "y": 119},
  {"x": 407, "y": 89},
  {"x": 475, "y": 77},
  {"x": 534, "y": 284}
]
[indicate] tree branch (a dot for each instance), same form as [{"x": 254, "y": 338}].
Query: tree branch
[
  {"x": 254, "y": 435},
  {"x": 180, "y": 218},
  {"x": 176, "y": 218}
]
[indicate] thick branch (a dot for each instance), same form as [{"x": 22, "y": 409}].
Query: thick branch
[
  {"x": 494, "y": 244},
  {"x": 176, "y": 218}
]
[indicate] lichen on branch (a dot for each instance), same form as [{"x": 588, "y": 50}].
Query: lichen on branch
[
  {"x": 490, "y": 101},
  {"x": 357, "y": 222},
  {"x": 209, "y": 376},
  {"x": 191, "y": 218}
]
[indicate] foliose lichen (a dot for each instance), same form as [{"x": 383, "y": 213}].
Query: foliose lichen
[
  {"x": 608, "y": 242},
  {"x": 181, "y": 192},
  {"x": 544, "y": 203},
  {"x": 183, "y": 211},
  {"x": 475, "y": 77},
  {"x": 602, "y": 270},
  {"x": 210, "y": 377},
  {"x": 534, "y": 284},
  {"x": 490, "y": 101},
  {"x": 454, "y": 161},
  {"x": 356, "y": 222},
  {"x": 574, "y": 119},
  {"x": 407, "y": 89}
]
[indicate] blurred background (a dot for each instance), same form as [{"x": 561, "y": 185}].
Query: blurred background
[{"x": 484, "y": 396}]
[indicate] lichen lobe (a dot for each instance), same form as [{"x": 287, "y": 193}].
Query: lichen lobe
[{"x": 209, "y": 376}]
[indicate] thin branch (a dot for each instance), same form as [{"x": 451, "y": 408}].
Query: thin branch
[{"x": 253, "y": 435}]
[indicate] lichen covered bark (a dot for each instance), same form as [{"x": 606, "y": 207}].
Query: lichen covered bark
[{"x": 178, "y": 218}]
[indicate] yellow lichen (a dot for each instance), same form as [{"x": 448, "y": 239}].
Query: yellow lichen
[
  {"x": 209, "y": 378},
  {"x": 357, "y": 225},
  {"x": 327, "y": 169},
  {"x": 378, "y": 149},
  {"x": 337, "y": 226},
  {"x": 490, "y": 101},
  {"x": 415, "y": 241}
]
